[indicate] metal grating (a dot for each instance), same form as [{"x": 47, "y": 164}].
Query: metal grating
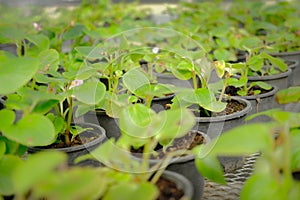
[{"x": 235, "y": 181}]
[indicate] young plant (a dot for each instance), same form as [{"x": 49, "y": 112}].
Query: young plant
[
  {"x": 142, "y": 128},
  {"x": 227, "y": 72},
  {"x": 277, "y": 141}
]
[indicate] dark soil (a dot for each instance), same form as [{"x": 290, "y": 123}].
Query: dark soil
[
  {"x": 189, "y": 141},
  {"x": 78, "y": 140},
  {"x": 232, "y": 107},
  {"x": 168, "y": 190},
  {"x": 232, "y": 91},
  {"x": 296, "y": 175}
]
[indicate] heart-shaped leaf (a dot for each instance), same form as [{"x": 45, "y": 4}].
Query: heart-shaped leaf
[
  {"x": 16, "y": 72},
  {"x": 31, "y": 130},
  {"x": 90, "y": 93}
]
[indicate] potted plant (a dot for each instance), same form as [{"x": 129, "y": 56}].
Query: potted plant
[
  {"x": 260, "y": 94},
  {"x": 275, "y": 24},
  {"x": 55, "y": 180},
  {"x": 52, "y": 96},
  {"x": 143, "y": 131},
  {"x": 274, "y": 140}
]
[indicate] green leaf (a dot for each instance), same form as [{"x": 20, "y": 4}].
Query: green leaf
[
  {"x": 261, "y": 84},
  {"x": 2, "y": 148},
  {"x": 174, "y": 123},
  {"x": 45, "y": 106},
  {"x": 220, "y": 66},
  {"x": 288, "y": 95},
  {"x": 249, "y": 141},
  {"x": 60, "y": 124},
  {"x": 16, "y": 72},
  {"x": 83, "y": 109},
  {"x": 84, "y": 51},
  {"x": 137, "y": 121},
  {"x": 31, "y": 130},
  {"x": 41, "y": 41},
  {"x": 90, "y": 93},
  {"x": 277, "y": 62},
  {"x": 49, "y": 59},
  {"x": 207, "y": 100},
  {"x": 223, "y": 54},
  {"x": 85, "y": 73},
  {"x": 10, "y": 34},
  {"x": 64, "y": 185},
  {"x": 292, "y": 119},
  {"x": 129, "y": 191},
  {"x": 270, "y": 189},
  {"x": 210, "y": 167},
  {"x": 249, "y": 43},
  {"x": 8, "y": 164},
  {"x": 110, "y": 154},
  {"x": 35, "y": 169},
  {"x": 238, "y": 82},
  {"x": 7, "y": 118},
  {"x": 157, "y": 90},
  {"x": 11, "y": 146},
  {"x": 295, "y": 149},
  {"x": 124, "y": 45},
  {"x": 73, "y": 33},
  {"x": 134, "y": 79},
  {"x": 255, "y": 63}
]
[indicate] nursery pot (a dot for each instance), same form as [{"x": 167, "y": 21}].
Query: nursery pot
[
  {"x": 280, "y": 80},
  {"x": 262, "y": 102},
  {"x": 110, "y": 124},
  {"x": 184, "y": 165},
  {"x": 11, "y": 48},
  {"x": 181, "y": 183},
  {"x": 97, "y": 135},
  {"x": 215, "y": 126},
  {"x": 161, "y": 103},
  {"x": 295, "y": 56}
]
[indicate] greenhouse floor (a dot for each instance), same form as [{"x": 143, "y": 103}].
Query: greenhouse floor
[{"x": 235, "y": 181}]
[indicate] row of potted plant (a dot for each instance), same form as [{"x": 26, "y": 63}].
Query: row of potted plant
[{"x": 43, "y": 103}]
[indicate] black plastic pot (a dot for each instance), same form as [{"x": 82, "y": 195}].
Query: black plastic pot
[
  {"x": 110, "y": 124},
  {"x": 2, "y": 102},
  {"x": 295, "y": 55},
  {"x": 75, "y": 151},
  {"x": 280, "y": 80},
  {"x": 11, "y": 48},
  {"x": 262, "y": 102},
  {"x": 181, "y": 182},
  {"x": 161, "y": 103},
  {"x": 215, "y": 126},
  {"x": 184, "y": 165}
]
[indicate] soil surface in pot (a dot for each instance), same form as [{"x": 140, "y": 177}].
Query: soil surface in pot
[
  {"x": 231, "y": 107},
  {"x": 233, "y": 91},
  {"x": 168, "y": 190},
  {"x": 80, "y": 139},
  {"x": 189, "y": 141}
]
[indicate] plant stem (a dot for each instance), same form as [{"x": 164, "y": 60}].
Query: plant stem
[
  {"x": 149, "y": 101},
  {"x": 227, "y": 76},
  {"x": 194, "y": 79},
  {"x": 287, "y": 154},
  {"x": 69, "y": 120},
  {"x": 165, "y": 162},
  {"x": 115, "y": 84}
]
